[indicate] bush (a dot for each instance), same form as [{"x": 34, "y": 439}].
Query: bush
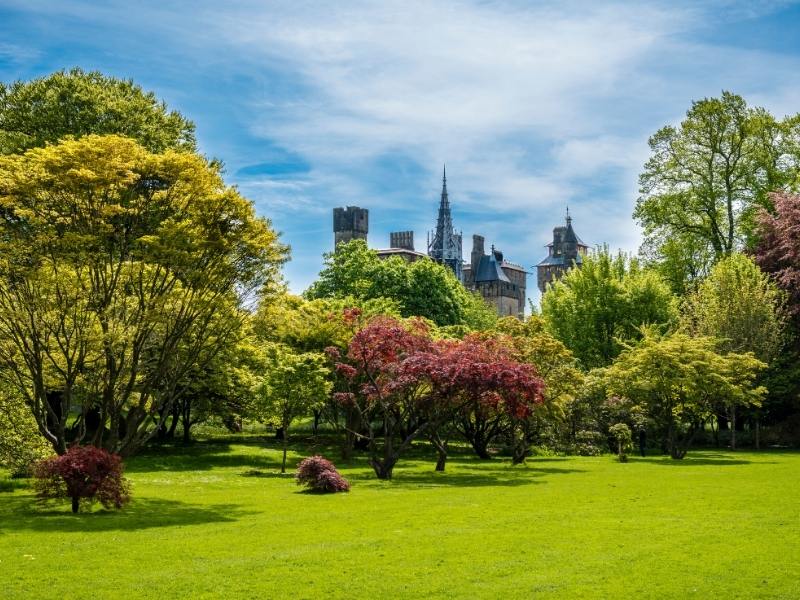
[
  {"x": 320, "y": 475},
  {"x": 83, "y": 473},
  {"x": 622, "y": 435},
  {"x": 588, "y": 443}
]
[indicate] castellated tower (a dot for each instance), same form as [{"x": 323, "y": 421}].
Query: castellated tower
[{"x": 351, "y": 223}]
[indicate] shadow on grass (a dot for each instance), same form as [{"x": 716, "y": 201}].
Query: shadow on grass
[
  {"x": 469, "y": 475},
  {"x": 697, "y": 459},
  {"x": 24, "y": 514}
]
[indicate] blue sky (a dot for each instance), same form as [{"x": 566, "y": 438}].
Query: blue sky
[{"x": 533, "y": 105}]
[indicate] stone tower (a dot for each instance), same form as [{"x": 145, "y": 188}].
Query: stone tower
[
  {"x": 351, "y": 223},
  {"x": 566, "y": 250},
  {"x": 498, "y": 281},
  {"x": 446, "y": 245}
]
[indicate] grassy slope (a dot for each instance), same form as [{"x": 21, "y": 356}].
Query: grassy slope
[{"x": 203, "y": 525}]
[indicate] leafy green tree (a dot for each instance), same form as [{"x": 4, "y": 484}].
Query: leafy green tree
[
  {"x": 740, "y": 306},
  {"x": 422, "y": 288},
  {"x": 595, "y": 308},
  {"x": 707, "y": 178},
  {"x": 293, "y": 385},
  {"x": 556, "y": 365},
  {"x": 114, "y": 264},
  {"x": 21, "y": 445},
  {"x": 76, "y": 103},
  {"x": 678, "y": 378}
]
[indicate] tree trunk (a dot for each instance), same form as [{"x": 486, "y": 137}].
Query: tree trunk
[
  {"x": 758, "y": 433},
  {"x": 441, "y": 451},
  {"x": 441, "y": 461},
  {"x": 285, "y": 444},
  {"x": 315, "y": 428},
  {"x": 76, "y": 502},
  {"x": 733, "y": 427}
]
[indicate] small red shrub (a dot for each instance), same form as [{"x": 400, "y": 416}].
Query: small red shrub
[
  {"x": 320, "y": 475},
  {"x": 83, "y": 473}
]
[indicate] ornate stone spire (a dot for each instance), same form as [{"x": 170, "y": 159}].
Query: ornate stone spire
[{"x": 446, "y": 245}]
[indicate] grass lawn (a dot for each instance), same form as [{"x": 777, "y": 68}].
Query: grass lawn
[{"x": 216, "y": 521}]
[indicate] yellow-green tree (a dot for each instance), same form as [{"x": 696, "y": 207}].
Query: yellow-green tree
[
  {"x": 293, "y": 386},
  {"x": 678, "y": 378},
  {"x": 741, "y": 307},
  {"x": 114, "y": 264},
  {"x": 595, "y": 308}
]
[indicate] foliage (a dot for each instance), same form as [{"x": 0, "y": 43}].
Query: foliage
[
  {"x": 707, "y": 177},
  {"x": 83, "y": 473},
  {"x": 677, "y": 378},
  {"x": 313, "y": 325},
  {"x": 595, "y": 309},
  {"x": 114, "y": 266},
  {"x": 21, "y": 445},
  {"x": 320, "y": 475},
  {"x": 622, "y": 436},
  {"x": 739, "y": 305},
  {"x": 293, "y": 385},
  {"x": 557, "y": 367},
  {"x": 778, "y": 249},
  {"x": 421, "y": 288},
  {"x": 411, "y": 384},
  {"x": 76, "y": 103}
]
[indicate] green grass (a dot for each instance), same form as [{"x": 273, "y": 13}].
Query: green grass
[{"x": 216, "y": 521}]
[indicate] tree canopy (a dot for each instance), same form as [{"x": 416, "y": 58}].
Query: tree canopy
[
  {"x": 740, "y": 306},
  {"x": 422, "y": 288},
  {"x": 77, "y": 103},
  {"x": 707, "y": 178},
  {"x": 114, "y": 264},
  {"x": 678, "y": 378},
  {"x": 606, "y": 301}
]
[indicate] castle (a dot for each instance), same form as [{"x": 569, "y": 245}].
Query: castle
[{"x": 500, "y": 282}]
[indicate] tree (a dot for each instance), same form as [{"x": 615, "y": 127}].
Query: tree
[
  {"x": 378, "y": 392},
  {"x": 422, "y": 288},
  {"x": 622, "y": 437},
  {"x": 557, "y": 367},
  {"x": 412, "y": 385},
  {"x": 114, "y": 264},
  {"x": 76, "y": 103},
  {"x": 778, "y": 248},
  {"x": 742, "y": 308},
  {"x": 677, "y": 379},
  {"x": 83, "y": 473},
  {"x": 707, "y": 178},
  {"x": 605, "y": 302},
  {"x": 21, "y": 445},
  {"x": 293, "y": 386}
]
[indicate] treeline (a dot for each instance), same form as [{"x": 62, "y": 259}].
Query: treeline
[{"x": 141, "y": 295}]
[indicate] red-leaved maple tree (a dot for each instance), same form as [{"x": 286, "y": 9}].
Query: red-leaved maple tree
[
  {"x": 778, "y": 249},
  {"x": 413, "y": 385},
  {"x": 83, "y": 473}
]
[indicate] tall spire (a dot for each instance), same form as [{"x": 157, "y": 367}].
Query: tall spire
[
  {"x": 445, "y": 246},
  {"x": 445, "y": 199},
  {"x": 569, "y": 219}
]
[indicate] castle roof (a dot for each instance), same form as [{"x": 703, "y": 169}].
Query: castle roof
[
  {"x": 560, "y": 261},
  {"x": 490, "y": 269}
]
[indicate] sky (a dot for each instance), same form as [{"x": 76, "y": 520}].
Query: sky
[{"x": 533, "y": 106}]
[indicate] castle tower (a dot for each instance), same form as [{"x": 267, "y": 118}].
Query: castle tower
[
  {"x": 351, "y": 223},
  {"x": 446, "y": 245},
  {"x": 566, "y": 250}
]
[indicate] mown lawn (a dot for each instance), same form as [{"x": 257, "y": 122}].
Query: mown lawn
[{"x": 216, "y": 521}]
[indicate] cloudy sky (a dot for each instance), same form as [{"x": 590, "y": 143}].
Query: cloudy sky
[{"x": 533, "y": 106}]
